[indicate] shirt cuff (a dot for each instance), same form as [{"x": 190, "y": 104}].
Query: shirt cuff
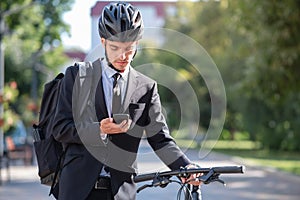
[{"x": 103, "y": 136}]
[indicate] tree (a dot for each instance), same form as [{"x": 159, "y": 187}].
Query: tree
[
  {"x": 10, "y": 95},
  {"x": 35, "y": 34},
  {"x": 33, "y": 44},
  {"x": 255, "y": 45},
  {"x": 210, "y": 24},
  {"x": 272, "y": 83}
]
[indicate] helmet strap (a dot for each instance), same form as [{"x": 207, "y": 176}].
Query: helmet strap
[
  {"x": 134, "y": 55},
  {"x": 108, "y": 62}
]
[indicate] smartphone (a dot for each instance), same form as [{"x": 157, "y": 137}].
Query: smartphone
[{"x": 118, "y": 118}]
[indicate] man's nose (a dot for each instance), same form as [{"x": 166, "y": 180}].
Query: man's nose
[{"x": 123, "y": 55}]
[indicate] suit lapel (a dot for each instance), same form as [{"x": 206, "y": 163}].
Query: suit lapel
[
  {"x": 131, "y": 87},
  {"x": 100, "y": 104}
]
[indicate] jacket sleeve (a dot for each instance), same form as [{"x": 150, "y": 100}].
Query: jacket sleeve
[
  {"x": 65, "y": 128},
  {"x": 159, "y": 138}
]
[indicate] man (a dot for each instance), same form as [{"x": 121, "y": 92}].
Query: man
[{"x": 101, "y": 154}]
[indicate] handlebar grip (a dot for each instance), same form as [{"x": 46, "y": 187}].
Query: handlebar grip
[
  {"x": 229, "y": 169},
  {"x": 144, "y": 177}
]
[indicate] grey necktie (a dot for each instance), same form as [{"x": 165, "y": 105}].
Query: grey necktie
[{"x": 116, "y": 101}]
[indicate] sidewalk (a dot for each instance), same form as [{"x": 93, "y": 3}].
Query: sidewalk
[
  {"x": 256, "y": 184},
  {"x": 24, "y": 184}
]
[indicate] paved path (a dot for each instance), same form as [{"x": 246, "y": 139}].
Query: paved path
[{"x": 255, "y": 184}]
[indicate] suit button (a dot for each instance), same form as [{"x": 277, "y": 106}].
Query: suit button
[{"x": 110, "y": 137}]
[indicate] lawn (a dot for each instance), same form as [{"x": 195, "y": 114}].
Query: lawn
[{"x": 251, "y": 152}]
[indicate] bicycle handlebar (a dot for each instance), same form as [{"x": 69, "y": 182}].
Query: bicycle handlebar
[
  {"x": 185, "y": 172},
  {"x": 205, "y": 175}
]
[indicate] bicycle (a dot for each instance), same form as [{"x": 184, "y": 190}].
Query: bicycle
[{"x": 209, "y": 175}]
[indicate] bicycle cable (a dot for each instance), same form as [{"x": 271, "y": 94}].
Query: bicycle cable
[{"x": 184, "y": 189}]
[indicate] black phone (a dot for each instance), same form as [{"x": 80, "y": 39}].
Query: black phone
[{"x": 118, "y": 118}]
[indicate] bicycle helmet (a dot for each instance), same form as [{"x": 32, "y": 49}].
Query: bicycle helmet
[{"x": 120, "y": 22}]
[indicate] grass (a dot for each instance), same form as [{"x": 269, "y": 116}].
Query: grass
[
  {"x": 285, "y": 161},
  {"x": 251, "y": 152}
]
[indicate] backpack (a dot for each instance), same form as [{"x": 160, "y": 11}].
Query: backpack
[{"x": 49, "y": 152}]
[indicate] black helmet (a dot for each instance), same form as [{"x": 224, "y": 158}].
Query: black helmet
[{"x": 120, "y": 22}]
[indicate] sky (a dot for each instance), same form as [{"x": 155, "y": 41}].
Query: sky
[{"x": 80, "y": 25}]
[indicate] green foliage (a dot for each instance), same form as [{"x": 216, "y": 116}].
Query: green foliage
[
  {"x": 272, "y": 69},
  {"x": 256, "y": 46},
  {"x": 33, "y": 47},
  {"x": 282, "y": 160},
  {"x": 229, "y": 135},
  {"x": 210, "y": 24},
  {"x": 11, "y": 94}
]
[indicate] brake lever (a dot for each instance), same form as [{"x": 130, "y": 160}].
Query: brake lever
[
  {"x": 161, "y": 181},
  {"x": 205, "y": 177},
  {"x": 157, "y": 181},
  {"x": 211, "y": 176},
  {"x": 220, "y": 181}
]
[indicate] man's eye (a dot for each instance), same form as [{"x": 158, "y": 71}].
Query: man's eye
[
  {"x": 132, "y": 48},
  {"x": 114, "y": 48}
]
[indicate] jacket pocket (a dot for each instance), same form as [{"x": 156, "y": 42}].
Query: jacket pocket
[
  {"x": 137, "y": 106},
  {"x": 136, "y": 111}
]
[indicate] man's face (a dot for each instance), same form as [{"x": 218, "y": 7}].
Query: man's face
[{"x": 119, "y": 54}]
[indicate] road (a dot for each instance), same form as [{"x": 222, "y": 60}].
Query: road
[{"x": 256, "y": 184}]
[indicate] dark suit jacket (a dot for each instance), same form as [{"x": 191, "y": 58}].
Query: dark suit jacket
[{"x": 78, "y": 114}]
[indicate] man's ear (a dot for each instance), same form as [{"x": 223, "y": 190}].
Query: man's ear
[{"x": 103, "y": 42}]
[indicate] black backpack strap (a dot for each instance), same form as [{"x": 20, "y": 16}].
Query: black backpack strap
[
  {"x": 85, "y": 75},
  {"x": 57, "y": 170},
  {"x": 89, "y": 74}
]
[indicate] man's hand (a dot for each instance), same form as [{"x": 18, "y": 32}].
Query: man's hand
[
  {"x": 192, "y": 179},
  {"x": 107, "y": 126}
]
